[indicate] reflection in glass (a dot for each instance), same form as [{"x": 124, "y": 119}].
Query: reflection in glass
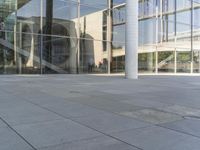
[
  {"x": 183, "y": 62},
  {"x": 146, "y": 62},
  {"x": 196, "y": 62},
  {"x": 88, "y": 36},
  {"x": 166, "y": 62}
]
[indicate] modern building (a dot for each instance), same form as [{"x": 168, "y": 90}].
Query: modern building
[{"x": 88, "y": 36}]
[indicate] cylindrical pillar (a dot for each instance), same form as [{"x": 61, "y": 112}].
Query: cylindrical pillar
[{"x": 131, "y": 62}]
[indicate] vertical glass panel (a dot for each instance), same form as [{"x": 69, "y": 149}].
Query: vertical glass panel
[
  {"x": 183, "y": 62},
  {"x": 169, "y": 5},
  {"x": 140, "y": 5},
  {"x": 92, "y": 57},
  {"x": 196, "y": 62},
  {"x": 59, "y": 40},
  {"x": 147, "y": 32},
  {"x": 196, "y": 37},
  {"x": 166, "y": 62},
  {"x": 168, "y": 36},
  {"x": 196, "y": 29},
  {"x": 149, "y": 7},
  {"x": 91, "y": 25},
  {"x": 184, "y": 30},
  {"x": 118, "y": 48},
  {"x": 96, "y": 33},
  {"x": 118, "y": 63},
  {"x": 147, "y": 35},
  {"x": 146, "y": 62},
  {"x": 117, "y": 2},
  {"x": 27, "y": 58},
  {"x": 29, "y": 15},
  {"x": 196, "y": 3},
  {"x": 119, "y": 15},
  {"x": 183, "y": 4},
  {"x": 59, "y": 13},
  {"x": 118, "y": 37},
  {"x": 91, "y": 6},
  {"x": 26, "y": 46},
  {"x": 7, "y": 40},
  {"x": 62, "y": 58}
]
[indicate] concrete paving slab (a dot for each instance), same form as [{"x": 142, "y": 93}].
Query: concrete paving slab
[
  {"x": 9, "y": 140},
  {"x": 153, "y": 116},
  {"x": 99, "y": 92},
  {"x": 109, "y": 105},
  {"x": 188, "y": 126},
  {"x": 181, "y": 110},
  {"x": 97, "y": 143},
  {"x": 6, "y": 97},
  {"x": 109, "y": 123},
  {"x": 71, "y": 109},
  {"x": 2, "y": 124},
  {"x": 60, "y": 92},
  {"x": 54, "y": 133},
  {"x": 16, "y": 113},
  {"x": 157, "y": 138},
  {"x": 146, "y": 102},
  {"x": 41, "y": 99},
  {"x": 102, "y": 103}
]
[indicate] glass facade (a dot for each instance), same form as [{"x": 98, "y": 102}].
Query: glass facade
[{"x": 88, "y": 36}]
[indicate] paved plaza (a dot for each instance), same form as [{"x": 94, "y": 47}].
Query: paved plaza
[{"x": 87, "y": 112}]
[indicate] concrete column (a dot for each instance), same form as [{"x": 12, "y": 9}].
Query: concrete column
[
  {"x": 19, "y": 56},
  {"x": 131, "y": 62},
  {"x": 109, "y": 33},
  {"x": 41, "y": 37}
]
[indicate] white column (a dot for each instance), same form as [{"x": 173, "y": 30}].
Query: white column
[
  {"x": 131, "y": 39},
  {"x": 109, "y": 34},
  {"x": 41, "y": 36}
]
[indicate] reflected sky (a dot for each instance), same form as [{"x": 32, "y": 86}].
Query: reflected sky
[{"x": 64, "y": 9}]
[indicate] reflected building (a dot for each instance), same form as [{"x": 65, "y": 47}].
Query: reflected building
[{"x": 88, "y": 36}]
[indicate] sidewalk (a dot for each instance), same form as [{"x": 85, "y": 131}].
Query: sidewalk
[{"x": 88, "y": 112}]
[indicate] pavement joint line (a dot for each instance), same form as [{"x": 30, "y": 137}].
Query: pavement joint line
[
  {"x": 23, "y": 138},
  {"x": 36, "y": 122},
  {"x": 165, "y": 84},
  {"x": 168, "y": 112},
  {"x": 133, "y": 129},
  {"x": 115, "y": 113},
  {"x": 108, "y": 135},
  {"x": 186, "y": 133},
  {"x": 197, "y": 117},
  {"x": 105, "y": 110}
]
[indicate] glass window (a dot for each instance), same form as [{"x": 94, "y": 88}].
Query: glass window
[
  {"x": 196, "y": 30},
  {"x": 118, "y": 37},
  {"x": 146, "y": 62},
  {"x": 196, "y": 61},
  {"x": 166, "y": 62},
  {"x": 147, "y": 30},
  {"x": 183, "y": 62},
  {"x": 183, "y": 30},
  {"x": 169, "y": 5},
  {"x": 119, "y": 15},
  {"x": 182, "y": 4}
]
